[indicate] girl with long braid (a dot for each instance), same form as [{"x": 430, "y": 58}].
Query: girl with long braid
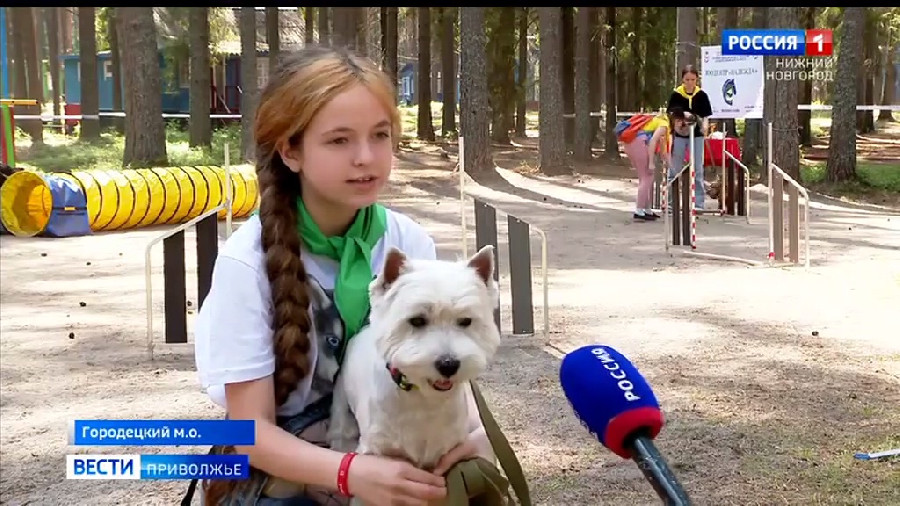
[{"x": 290, "y": 287}]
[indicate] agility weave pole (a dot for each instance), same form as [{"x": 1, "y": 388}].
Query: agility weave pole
[
  {"x": 777, "y": 178},
  {"x": 734, "y": 195},
  {"x": 519, "y": 246},
  {"x": 683, "y": 188},
  {"x": 684, "y": 200},
  {"x": 174, "y": 276},
  {"x": 684, "y": 218}
]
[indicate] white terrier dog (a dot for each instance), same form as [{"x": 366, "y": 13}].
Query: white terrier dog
[{"x": 403, "y": 387}]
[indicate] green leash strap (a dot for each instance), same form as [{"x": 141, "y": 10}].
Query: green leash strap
[
  {"x": 478, "y": 476},
  {"x": 477, "y": 482}
]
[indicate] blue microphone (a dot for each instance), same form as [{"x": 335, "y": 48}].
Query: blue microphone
[{"x": 614, "y": 402}]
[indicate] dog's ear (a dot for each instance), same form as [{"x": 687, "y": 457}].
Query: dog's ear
[
  {"x": 394, "y": 265},
  {"x": 483, "y": 263}
]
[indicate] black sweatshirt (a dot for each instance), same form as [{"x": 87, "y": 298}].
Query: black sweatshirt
[{"x": 697, "y": 104}]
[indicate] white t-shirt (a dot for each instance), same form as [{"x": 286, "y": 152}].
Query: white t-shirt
[{"x": 233, "y": 331}]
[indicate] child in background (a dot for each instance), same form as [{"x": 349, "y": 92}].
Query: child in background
[
  {"x": 689, "y": 98},
  {"x": 654, "y": 136}
]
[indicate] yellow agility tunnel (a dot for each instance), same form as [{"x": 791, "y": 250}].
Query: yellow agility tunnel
[{"x": 62, "y": 205}]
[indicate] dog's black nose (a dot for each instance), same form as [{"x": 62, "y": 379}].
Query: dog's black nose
[{"x": 447, "y": 366}]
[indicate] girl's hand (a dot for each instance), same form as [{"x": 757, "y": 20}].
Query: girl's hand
[
  {"x": 476, "y": 444},
  {"x": 380, "y": 481}
]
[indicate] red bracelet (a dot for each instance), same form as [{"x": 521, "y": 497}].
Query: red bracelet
[{"x": 343, "y": 472}]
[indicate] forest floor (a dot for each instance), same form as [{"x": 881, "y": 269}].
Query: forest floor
[{"x": 770, "y": 378}]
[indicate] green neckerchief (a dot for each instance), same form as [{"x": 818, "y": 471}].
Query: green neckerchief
[{"x": 353, "y": 252}]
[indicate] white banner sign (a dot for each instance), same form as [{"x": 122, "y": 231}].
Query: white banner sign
[{"x": 734, "y": 84}]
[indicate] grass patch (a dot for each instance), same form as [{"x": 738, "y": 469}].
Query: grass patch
[
  {"x": 874, "y": 175},
  {"x": 61, "y": 153},
  {"x": 876, "y": 183}
]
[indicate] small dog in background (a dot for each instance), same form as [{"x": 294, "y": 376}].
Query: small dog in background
[{"x": 403, "y": 387}]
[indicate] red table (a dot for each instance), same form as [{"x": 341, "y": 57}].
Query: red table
[{"x": 712, "y": 152}]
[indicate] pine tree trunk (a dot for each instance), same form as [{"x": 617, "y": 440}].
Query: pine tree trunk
[
  {"x": 425, "y": 123},
  {"x": 522, "y": 72},
  {"x": 841, "y": 164},
  {"x": 273, "y": 36},
  {"x": 343, "y": 27},
  {"x": 201, "y": 88},
  {"x": 448, "y": 70},
  {"x": 145, "y": 131},
  {"x": 90, "y": 93},
  {"x": 568, "y": 73},
  {"x": 23, "y": 18},
  {"x": 324, "y": 26},
  {"x": 39, "y": 49},
  {"x": 501, "y": 83},
  {"x": 687, "y": 49},
  {"x": 583, "y": 131},
  {"x": 474, "y": 115},
  {"x": 116, "y": 62},
  {"x": 551, "y": 140},
  {"x": 309, "y": 25},
  {"x": 865, "y": 121},
  {"x": 19, "y": 81},
  {"x": 362, "y": 31},
  {"x": 653, "y": 75},
  {"x": 596, "y": 70},
  {"x": 67, "y": 28},
  {"x": 727, "y": 17},
  {"x": 785, "y": 135},
  {"x": 391, "y": 38},
  {"x": 805, "y": 117},
  {"x": 249, "y": 87},
  {"x": 637, "y": 63},
  {"x": 611, "y": 146},
  {"x": 508, "y": 28},
  {"x": 52, "y": 19},
  {"x": 889, "y": 87},
  {"x": 753, "y": 128}
]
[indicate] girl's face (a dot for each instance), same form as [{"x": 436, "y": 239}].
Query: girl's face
[
  {"x": 346, "y": 153},
  {"x": 690, "y": 81}
]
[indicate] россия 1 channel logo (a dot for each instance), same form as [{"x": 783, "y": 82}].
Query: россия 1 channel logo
[{"x": 777, "y": 42}]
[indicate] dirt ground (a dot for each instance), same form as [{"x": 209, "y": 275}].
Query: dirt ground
[
  {"x": 882, "y": 145},
  {"x": 770, "y": 378}
]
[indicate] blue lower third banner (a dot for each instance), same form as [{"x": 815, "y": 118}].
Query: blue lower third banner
[
  {"x": 161, "y": 432},
  {"x": 157, "y": 467}
]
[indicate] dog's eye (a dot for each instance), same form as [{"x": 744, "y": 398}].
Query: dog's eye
[
  {"x": 418, "y": 321},
  {"x": 464, "y": 322}
]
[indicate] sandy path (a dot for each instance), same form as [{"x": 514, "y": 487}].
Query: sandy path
[{"x": 756, "y": 405}]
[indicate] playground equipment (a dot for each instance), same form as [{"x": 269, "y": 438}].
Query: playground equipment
[
  {"x": 62, "y": 205},
  {"x": 174, "y": 276},
  {"x": 519, "y": 246},
  {"x": 8, "y": 127}
]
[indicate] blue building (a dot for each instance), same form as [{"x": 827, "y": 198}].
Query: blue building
[
  {"x": 896, "y": 61},
  {"x": 225, "y": 78},
  {"x": 407, "y": 80},
  {"x": 406, "y": 87}
]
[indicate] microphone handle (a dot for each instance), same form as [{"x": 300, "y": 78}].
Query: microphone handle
[{"x": 657, "y": 472}]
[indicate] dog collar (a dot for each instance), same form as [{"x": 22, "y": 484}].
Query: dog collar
[{"x": 399, "y": 378}]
